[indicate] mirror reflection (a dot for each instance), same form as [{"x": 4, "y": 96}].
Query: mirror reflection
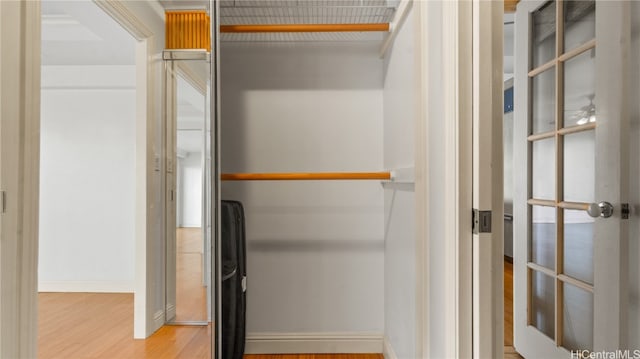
[{"x": 188, "y": 257}]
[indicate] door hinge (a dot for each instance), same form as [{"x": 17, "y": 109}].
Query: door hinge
[
  {"x": 3, "y": 201},
  {"x": 481, "y": 221},
  {"x": 625, "y": 211}
]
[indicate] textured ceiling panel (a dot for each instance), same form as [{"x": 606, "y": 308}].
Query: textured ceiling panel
[
  {"x": 304, "y": 12},
  {"x": 305, "y": 15},
  {"x": 302, "y": 37},
  {"x": 261, "y": 12}
]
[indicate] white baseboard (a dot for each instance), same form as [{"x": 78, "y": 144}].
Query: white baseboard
[
  {"x": 86, "y": 286},
  {"x": 287, "y": 343},
  {"x": 388, "y": 350},
  {"x": 158, "y": 319},
  {"x": 171, "y": 312}
]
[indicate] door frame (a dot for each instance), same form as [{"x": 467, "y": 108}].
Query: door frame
[
  {"x": 443, "y": 183},
  {"x": 147, "y": 319},
  {"x": 169, "y": 138},
  {"x": 488, "y": 178},
  {"x": 458, "y": 168},
  {"x": 19, "y": 176}
]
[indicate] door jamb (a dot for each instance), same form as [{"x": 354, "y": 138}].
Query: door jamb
[
  {"x": 488, "y": 248},
  {"x": 146, "y": 321},
  {"x": 19, "y": 177},
  {"x": 443, "y": 175}
]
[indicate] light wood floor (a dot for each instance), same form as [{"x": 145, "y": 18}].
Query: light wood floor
[
  {"x": 98, "y": 325},
  {"x": 509, "y": 351},
  {"x": 72, "y": 326}
]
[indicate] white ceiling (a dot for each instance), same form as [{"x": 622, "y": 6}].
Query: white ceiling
[{"x": 79, "y": 33}]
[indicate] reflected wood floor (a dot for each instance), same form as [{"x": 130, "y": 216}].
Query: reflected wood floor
[{"x": 191, "y": 295}]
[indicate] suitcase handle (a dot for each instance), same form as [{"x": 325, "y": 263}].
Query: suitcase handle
[{"x": 235, "y": 270}]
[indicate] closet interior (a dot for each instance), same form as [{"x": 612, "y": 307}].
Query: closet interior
[{"x": 317, "y": 105}]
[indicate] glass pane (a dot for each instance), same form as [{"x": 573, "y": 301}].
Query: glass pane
[
  {"x": 543, "y": 236},
  {"x": 542, "y": 303},
  {"x": 544, "y": 34},
  {"x": 579, "y": 22},
  {"x": 578, "y": 245},
  {"x": 580, "y": 89},
  {"x": 544, "y": 169},
  {"x": 543, "y": 104},
  {"x": 579, "y": 167},
  {"x": 578, "y": 318}
]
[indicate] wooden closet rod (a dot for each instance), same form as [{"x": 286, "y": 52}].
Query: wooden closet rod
[
  {"x": 305, "y": 176},
  {"x": 304, "y": 28}
]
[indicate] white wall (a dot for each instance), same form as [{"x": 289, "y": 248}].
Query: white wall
[
  {"x": 634, "y": 185},
  {"x": 190, "y": 190},
  {"x": 315, "y": 249},
  {"x": 87, "y": 183},
  {"x": 400, "y": 101}
]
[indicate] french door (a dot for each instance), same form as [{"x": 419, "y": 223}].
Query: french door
[{"x": 570, "y": 231}]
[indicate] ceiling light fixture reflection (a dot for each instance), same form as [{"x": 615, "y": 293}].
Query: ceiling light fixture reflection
[{"x": 587, "y": 114}]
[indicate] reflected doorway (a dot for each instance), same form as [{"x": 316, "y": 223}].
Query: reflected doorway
[{"x": 187, "y": 241}]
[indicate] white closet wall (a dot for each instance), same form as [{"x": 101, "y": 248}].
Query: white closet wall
[
  {"x": 400, "y": 112},
  {"x": 315, "y": 248}
]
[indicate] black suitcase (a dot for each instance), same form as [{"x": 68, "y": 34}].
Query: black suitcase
[{"x": 234, "y": 273}]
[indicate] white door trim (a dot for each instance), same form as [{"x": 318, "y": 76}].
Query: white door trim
[
  {"x": 443, "y": 181},
  {"x": 129, "y": 21},
  {"x": 169, "y": 119},
  {"x": 421, "y": 186},
  {"x": 146, "y": 318},
  {"x": 488, "y": 248},
  {"x": 19, "y": 175}
]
